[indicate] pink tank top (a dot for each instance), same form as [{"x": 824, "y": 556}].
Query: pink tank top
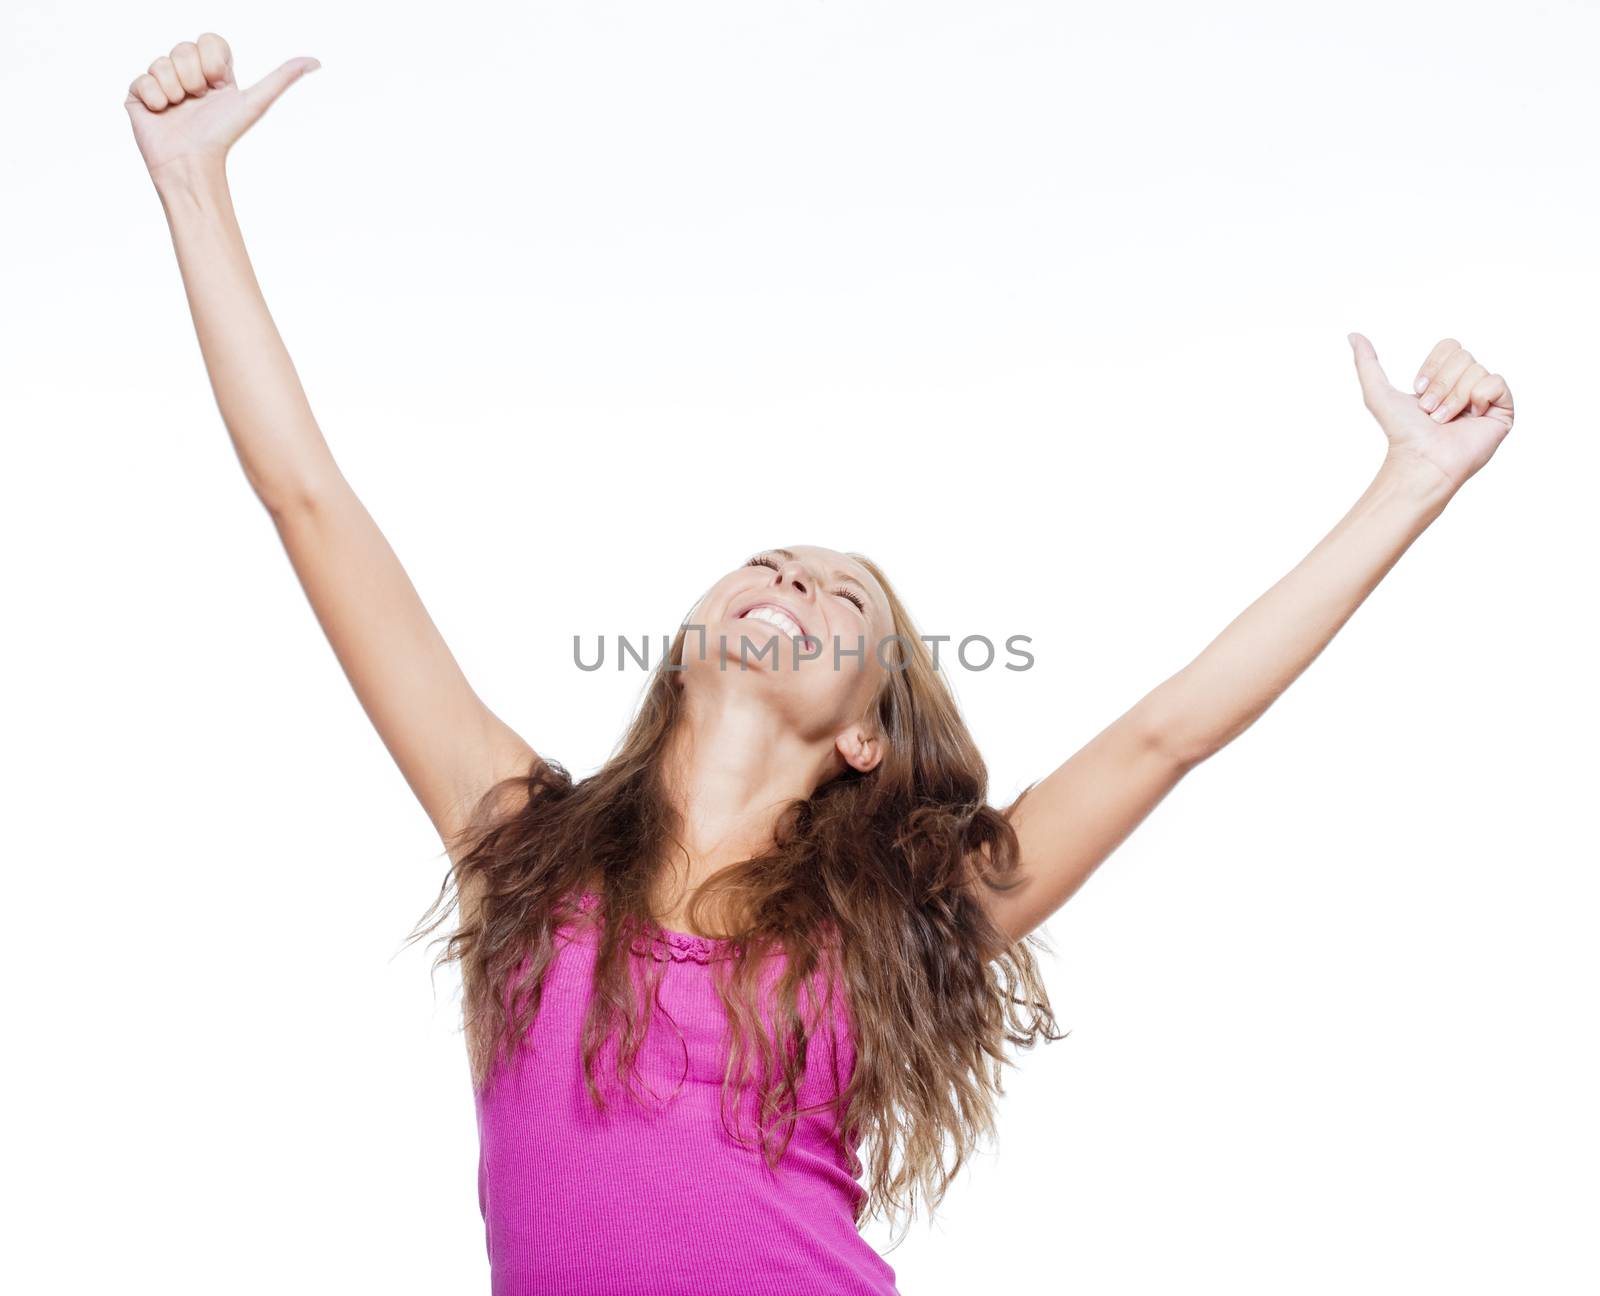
[{"x": 661, "y": 1199}]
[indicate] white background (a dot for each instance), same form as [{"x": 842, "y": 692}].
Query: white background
[{"x": 1043, "y": 306}]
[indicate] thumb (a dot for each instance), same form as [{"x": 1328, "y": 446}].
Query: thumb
[
  {"x": 259, "y": 97},
  {"x": 1374, "y": 382}
]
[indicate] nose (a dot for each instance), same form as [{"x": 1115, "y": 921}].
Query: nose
[{"x": 794, "y": 573}]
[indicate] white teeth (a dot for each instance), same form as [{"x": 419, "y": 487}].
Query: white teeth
[{"x": 774, "y": 617}]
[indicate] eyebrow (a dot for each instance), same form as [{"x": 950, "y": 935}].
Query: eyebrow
[{"x": 838, "y": 576}]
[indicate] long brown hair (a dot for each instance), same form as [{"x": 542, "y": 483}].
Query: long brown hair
[{"x": 871, "y": 879}]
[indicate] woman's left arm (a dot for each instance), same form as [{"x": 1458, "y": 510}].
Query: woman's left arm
[{"x": 1439, "y": 435}]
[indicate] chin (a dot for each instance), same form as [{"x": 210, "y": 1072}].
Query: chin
[{"x": 767, "y": 652}]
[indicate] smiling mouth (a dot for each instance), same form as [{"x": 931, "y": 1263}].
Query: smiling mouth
[{"x": 772, "y": 615}]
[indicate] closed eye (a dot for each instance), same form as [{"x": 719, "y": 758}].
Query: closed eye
[{"x": 861, "y": 603}]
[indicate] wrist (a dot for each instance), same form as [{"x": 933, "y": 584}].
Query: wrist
[
  {"x": 190, "y": 179},
  {"x": 1416, "y": 479}
]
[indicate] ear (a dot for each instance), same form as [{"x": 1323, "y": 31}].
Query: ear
[{"x": 860, "y": 748}]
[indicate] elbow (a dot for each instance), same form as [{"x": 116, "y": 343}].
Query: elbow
[
  {"x": 1176, "y": 743},
  {"x": 286, "y": 501}
]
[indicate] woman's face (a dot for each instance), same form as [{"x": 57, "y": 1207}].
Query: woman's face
[{"x": 805, "y": 624}]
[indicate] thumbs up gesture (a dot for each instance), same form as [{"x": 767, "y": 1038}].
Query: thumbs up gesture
[
  {"x": 188, "y": 108},
  {"x": 1454, "y": 417}
]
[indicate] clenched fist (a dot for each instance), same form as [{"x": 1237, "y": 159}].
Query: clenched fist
[
  {"x": 187, "y": 107},
  {"x": 1454, "y": 417}
]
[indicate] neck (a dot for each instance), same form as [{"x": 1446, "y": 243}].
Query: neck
[{"x": 729, "y": 772}]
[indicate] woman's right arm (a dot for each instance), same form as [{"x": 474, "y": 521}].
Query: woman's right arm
[{"x": 448, "y": 744}]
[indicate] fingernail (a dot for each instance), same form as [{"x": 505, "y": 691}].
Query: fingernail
[
  {"x": 1422, "y": 386},
  {"x": 1438, "y": 415},
  {"x": 1429, "y": 401}
]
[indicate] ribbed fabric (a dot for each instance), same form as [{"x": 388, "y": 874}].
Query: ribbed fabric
[{"x": 660, "y": 1199}]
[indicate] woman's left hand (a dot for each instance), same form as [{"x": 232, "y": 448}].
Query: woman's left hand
[{"x": 1455, "y": 417}]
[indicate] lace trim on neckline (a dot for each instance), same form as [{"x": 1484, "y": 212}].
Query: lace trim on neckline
[{"x": 680, "y": 947}]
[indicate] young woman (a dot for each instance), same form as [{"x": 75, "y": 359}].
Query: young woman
[{"x": 782, "y": 926}]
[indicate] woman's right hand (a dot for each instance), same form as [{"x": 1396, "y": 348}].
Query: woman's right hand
[{"x": 187, "y": 108}]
